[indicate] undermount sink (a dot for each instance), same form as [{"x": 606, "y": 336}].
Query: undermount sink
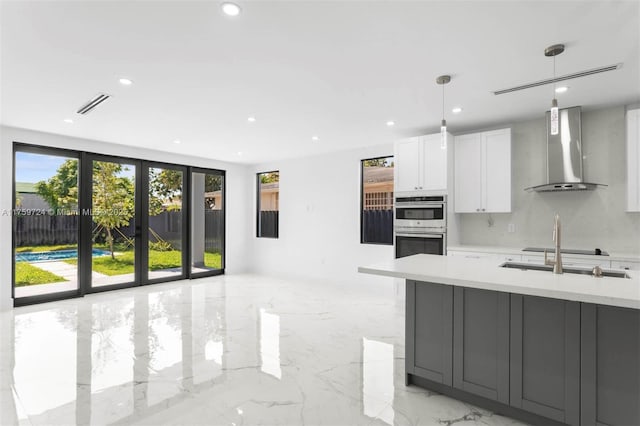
[{"x": 566, "y": 270}]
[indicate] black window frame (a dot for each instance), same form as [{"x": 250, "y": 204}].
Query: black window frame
[
  {"x": 84, "y": 234},
  {"x": 223, "y": 174},
  {"x": 258, "y": 216},
  {"x": 362, "y": 239}
]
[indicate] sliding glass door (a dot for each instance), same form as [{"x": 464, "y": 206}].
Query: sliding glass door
[
  {"x": 114, "y": 218},
  {"x": 207, "y": 222},
  {"x": 86, "y": 222},
  {"x": 165, "y": 227},
  {"x": 45, "y": 224}
]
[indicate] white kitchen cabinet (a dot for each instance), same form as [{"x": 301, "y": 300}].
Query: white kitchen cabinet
[
  {"x": 469, "y": 254},
  {"x": 532, "y": 258},
  {"x": 467, "y": 171},
  {"x": 407, "y": 164},
  {"x": 633, "y": 160},
  {"x": 625, "y": 264},
  {"x": 498, "y": 257},
  {"x": 483, "y": 172},
  {"x": 568, "y": 260},
  {"x": 420, "y": 165}
]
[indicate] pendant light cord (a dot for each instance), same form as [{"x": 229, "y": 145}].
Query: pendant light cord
[
  {"x": 554, "y": 76},
  {"x": 443, "y": 102}
]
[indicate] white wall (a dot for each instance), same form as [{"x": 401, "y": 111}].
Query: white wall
[
  {"x": 238, "y": 184},
  {"x": 590, "y": 219},
  {"x": 319, "y": 235}
]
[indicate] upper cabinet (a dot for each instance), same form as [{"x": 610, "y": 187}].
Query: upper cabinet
[
  {"x": 421, "y": 164},
  {"x": 633, "y": 160},
  {"x": 483, "y": 172}
]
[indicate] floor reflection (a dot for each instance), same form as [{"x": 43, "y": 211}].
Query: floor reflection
[
  {"x": 270, "y": 344},
  {"x": 377, "y": 379},
  {"x": 111, "y": 360},
  {"x": 45, "y": 346},
  {"x": 223, "y": 350}
]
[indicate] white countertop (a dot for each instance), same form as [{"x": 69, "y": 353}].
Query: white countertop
[
  {"x": 488, "y": 275},
  {"x": 616, "y": 256}
]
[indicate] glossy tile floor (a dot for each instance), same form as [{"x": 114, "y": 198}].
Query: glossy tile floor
[{"x": 231, "y": 350}]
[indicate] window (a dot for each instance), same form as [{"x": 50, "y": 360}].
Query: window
[
  {"x": 376, "y": 220},
  {"x": 268, "y": 184}
]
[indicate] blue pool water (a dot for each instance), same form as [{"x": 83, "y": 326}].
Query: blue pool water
[{"x": 45, "y": 256}]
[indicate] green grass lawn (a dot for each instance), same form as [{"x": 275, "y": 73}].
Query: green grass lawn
[
  {"x": 158, "y": 260},
  {"x": 27, "y": 274},
  {"x": 213, "y": 260}
]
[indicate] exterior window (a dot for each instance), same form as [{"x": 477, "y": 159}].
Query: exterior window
[
  {"x": 268, "y": 184},
  {"x": 376, "y": 221}
]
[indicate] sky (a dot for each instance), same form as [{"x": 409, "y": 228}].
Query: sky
[{"x": 33, "y": 168}]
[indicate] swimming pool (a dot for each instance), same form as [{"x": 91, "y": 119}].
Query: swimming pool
[{"x": 45, "y": 256}]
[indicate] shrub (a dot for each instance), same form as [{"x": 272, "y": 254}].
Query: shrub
[{"x": 160, "y": 246}]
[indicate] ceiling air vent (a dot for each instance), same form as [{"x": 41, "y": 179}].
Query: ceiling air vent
[{"x": 89, "y": 106}]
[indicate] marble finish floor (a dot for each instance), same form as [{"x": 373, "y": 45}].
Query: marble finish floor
[{"x": 229, "y": 350}]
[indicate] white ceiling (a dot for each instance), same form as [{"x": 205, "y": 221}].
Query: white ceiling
[{"x": 335, "y": 69}]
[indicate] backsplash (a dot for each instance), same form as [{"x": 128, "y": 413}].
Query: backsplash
[{"x": 590, "y": 219}]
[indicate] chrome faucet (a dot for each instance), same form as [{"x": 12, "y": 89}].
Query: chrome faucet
[{"x": 557, "y": 261}]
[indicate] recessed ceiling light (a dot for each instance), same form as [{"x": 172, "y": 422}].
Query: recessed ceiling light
[
  {"x": 561, "y": 89},
  {"x": 239, "y": 153},
  {"x": 251, "y": 119},
  {"x": 68, "y": 120},
  {"x": 177, "y": 141},
  {"x": 230, "y": 9},
  {"x": 391, "y": 123},
  {"x": 315, "y": 138},
  {"x": 456, "y": 110},
  {"x": 125, "y": 81}
]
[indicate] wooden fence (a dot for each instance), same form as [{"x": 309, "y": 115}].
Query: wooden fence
[
  {"x": 269, "y": 225},
  {"x": 377, "y": 226},
  {"x": 46, "y": 230},
  {"x": 53, "y": 230}
]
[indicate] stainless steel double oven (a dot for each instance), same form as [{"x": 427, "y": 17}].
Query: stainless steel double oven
[{"x": 420, "y": 225}]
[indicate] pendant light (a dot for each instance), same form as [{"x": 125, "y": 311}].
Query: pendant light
[
  {"x": 442, "y": 80},
  {"x": 554, "y": 51}
]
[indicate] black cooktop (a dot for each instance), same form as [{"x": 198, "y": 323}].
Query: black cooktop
[{"x": 594, "y": 252}]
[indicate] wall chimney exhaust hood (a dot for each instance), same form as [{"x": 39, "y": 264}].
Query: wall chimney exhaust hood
[{"x": 564, "y": 155}]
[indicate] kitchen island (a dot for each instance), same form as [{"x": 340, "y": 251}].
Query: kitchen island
[{"x": 544, "y": 348}]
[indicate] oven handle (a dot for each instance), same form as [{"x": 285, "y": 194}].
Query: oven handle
[
  {"x": 419, "y": 206},
  {"x": 420, "y": 235}
]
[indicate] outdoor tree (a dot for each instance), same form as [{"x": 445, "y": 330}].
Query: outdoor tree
[
  {"x": 212, "y": 183},
  {"x": 165, "y": 190},
  {"x": 378, "y": 162},
  {"x": 113, "y": 199},
  {"x": 61, "y": 190},
  {"x": 269, "y": 177}
]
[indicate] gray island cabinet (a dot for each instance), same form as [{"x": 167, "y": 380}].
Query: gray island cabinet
[
  {"x": 543, "y": 360},
  {"x": 544, "y": 348}
]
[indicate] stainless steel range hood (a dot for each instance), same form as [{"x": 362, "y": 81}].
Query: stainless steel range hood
[{"x": 564, "y": 155}]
